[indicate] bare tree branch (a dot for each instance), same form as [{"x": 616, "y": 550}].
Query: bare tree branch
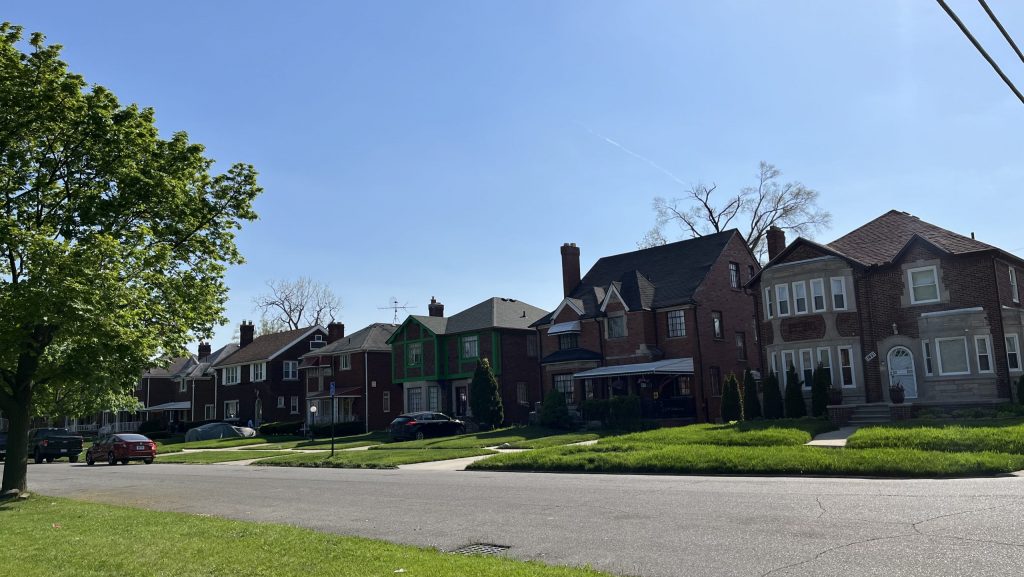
[{"x": 296, "y": 304}]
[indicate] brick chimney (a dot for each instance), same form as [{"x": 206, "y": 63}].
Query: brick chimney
[
  {"x": 204, "y": 351},
  {"x": 436, "y": 309},
  {"x": 335, "y": 331},
  {"x": 245, "y": 333},
  {"x": 570, "y": 267},
  {"x": 776, "y": 238}
]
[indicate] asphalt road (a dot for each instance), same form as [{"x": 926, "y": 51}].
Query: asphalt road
[{"x": 624, "y": 524}]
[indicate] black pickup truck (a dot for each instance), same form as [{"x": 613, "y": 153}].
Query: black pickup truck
[{"x": 50, "y": 444}]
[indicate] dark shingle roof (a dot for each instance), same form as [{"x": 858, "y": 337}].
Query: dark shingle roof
[
  {"x": 572, "y": 355},
  {"x": 656, "y": 277},
  {"x": 881, "y": 240},
  {"x": 495, "y": 312},
  {"x": 370, "y": 338},
  {"x": 265, "y": 346},
  {"x": 170, "y": 368}
]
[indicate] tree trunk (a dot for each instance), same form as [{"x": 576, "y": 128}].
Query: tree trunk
[{"x": 16, "y": 462}]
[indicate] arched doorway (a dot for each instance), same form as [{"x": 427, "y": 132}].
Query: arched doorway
[{"x": 901, "y": 370}]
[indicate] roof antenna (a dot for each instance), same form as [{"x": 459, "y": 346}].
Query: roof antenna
[{"x": 393, "y": 305}]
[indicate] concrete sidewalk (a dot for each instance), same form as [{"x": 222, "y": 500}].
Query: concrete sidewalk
[
  {"x": 835, "y": 438},
  {"x": 455, "y": 464}
]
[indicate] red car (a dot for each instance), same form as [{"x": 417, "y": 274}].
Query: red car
[{"x": 121, "y": 447}]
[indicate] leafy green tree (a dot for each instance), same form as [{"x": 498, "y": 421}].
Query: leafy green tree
[
  {"x": 821, "y": 382},
  {"x": 731, "y": 408},
  {"x": 772, "y": 397},
  {"x": 113, "y": 242},
  {"x": 751, "y": 404},
  {"x": 796, "y": 407},
  {"x": 554, "y": 412},
  {"x": 485, "y": 396}
]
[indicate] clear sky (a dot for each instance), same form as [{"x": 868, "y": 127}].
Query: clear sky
[{"x": 412, "y": 149}]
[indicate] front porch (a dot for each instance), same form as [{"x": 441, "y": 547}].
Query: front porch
[{"x": 665, "y": 388}]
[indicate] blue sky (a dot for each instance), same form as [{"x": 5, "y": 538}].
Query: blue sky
[{"x": 416, "y": 149}]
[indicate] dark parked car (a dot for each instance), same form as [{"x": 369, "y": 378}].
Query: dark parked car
[
  {"x": 218, "y": 431},
  {"x": 121, "y": 447},
  {"x": 3, "y": 446},
  {"x": 50, "y": 444},
  {"x": 426, "y": 424}
]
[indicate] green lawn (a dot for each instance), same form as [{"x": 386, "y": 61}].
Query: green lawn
[
  {"x": 477, "y": 440},
  {"x": 48, "y": 537},
  {"x": 232, "y": 442},
  {"x": 202, "y": 457},
  {"x": 350, "y": 441},
  {"x": 999, "y": 435},
  {"x": 752, "y": 433},
  {"x": 371, "y": 459},
  {"x": 784, "y": 460},
  {"x": 555, "y": 440}
]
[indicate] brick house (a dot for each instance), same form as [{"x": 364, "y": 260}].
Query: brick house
[
  {"x": 260, "y": 380},
  {"x": 667, "y": 324},
  {"x": 196, "y": 382},
  {"x": 897, "y": 300},
  {"x": 434, "y": 357},
  {"x": 359, "y": 365}
]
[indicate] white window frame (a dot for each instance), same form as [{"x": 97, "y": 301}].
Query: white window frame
[
  {"x": 775, "y": 363},
  {"x": 828, "y": 357},
  {"x": 785, "y": 366},
  {"x": 183, "y": 386},
  {"x": 853, "y": 367},
  {"x": 803, "y": 369},
  {"x": 818, "y": 286},
  {"x": 938, "y": 355},
  {"x": 209, "y": 412},
  {"x": 386, "y": 401},
  {"x": 987, "y": 340},
  {"x": 797, "y": 288},
  {"x": 290, "y": 370},
  {"x": 681, "y": 314},
  {"x": 910, "y": 285},
  {"x": 294, "y": 405},
  {"x": 929, "y": 361},
  {"x": 232, "y": 375},
  {"x": 414, "y": 354},
  {"x": 280, "y": 401},
  {"x": 782, "y": 296},
  {"x": 259, "y": 372},
  {"x": 769, "y": 303},
  {"x": 1013, "y": 285},
  {"x": 842, "y": 291},
  {"x": 1015, "y": 350},
  {"x": 344, "y": 362},
  {"x": 463, "y": 353},
  {"x": 231, "y": 414}
]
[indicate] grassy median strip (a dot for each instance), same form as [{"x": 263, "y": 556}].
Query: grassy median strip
[
  {"x": 554, "y": 441},
  {"x": 204, "y": 457},
  {"x": 47, "y": 537},
  {"x": 779, "y": 460},
  {"x": 348, "y": 442},
  {"x": 232, "y": 442},
  {"x": 477, "y": 440},
  {"x": 999, "y": 435},
  {"x": 371, "y": 459}
]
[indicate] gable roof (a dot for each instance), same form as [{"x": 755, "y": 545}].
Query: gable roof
[
  {"x": 370, "y": 338},
  {"x": 884, "y": 238},
  {"x": 650, "y": 278},
  {"x": 266, "y": 347},
  {"x": 493, "y": 313},
  {"x": 197, "y": 369},
  {"x": 168, "y": 370}
]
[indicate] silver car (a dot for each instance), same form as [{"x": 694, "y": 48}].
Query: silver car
[{"x": 218, "y": 431}]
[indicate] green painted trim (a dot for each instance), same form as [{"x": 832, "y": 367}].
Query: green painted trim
[
  {"x": 407, "y": 357},
  {"x": 463, "y": 359}
]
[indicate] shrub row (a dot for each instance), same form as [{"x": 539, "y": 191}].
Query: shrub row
[{"x": 622, "y": 413}]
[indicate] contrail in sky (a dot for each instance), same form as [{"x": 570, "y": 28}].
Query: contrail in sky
[{"x": 638, "y": 156}]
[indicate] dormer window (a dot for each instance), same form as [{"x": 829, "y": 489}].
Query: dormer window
[{"x": 616, "y": 327}]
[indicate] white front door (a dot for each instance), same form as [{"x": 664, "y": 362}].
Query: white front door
[{"x": 901, "y": 370}]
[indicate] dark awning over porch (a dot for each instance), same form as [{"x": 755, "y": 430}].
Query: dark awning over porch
[{"x": 666, "y": 367}]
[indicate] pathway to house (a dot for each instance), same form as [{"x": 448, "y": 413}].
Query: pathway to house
[
  {"x": 454, "y": 464},
  {"x": 835, "y": 438}
]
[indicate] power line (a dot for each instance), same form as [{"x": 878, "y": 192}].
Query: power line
[
  {"x": 999, "y": 25},
  {"x": 977, "y": 45}
]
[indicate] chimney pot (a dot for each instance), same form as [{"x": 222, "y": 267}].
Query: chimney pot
[
  {"x": 435, "y": 308},
  {"x": 776, "y": 238},
  {"x": 246, "y": 332},
  {"x": 204, "y": 351},
  {"x": 570, "y": 267}
]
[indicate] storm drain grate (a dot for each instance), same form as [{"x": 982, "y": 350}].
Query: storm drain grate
[{"x": 481, "y": 549}]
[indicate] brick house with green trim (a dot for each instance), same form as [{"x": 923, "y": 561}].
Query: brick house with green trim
[{"x": 434, "y": 357}]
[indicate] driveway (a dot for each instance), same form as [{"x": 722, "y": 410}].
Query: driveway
[{"x": 625, "y": 524}]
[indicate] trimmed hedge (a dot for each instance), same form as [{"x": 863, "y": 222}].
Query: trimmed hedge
[{"x": 281, "y": 428}]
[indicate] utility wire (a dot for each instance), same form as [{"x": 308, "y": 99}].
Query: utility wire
[
  {"x": 999, "y": 25},
  {"x": 977, "y": 45}
]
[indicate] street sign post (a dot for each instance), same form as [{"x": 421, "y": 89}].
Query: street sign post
[{"x": 334, "y": 409}]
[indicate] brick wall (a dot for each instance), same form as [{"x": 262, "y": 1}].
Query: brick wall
[{"x": 802, "y": 328}]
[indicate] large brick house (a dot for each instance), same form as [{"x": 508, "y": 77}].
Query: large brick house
[
  {"x": 434, "y": 357},
  {"x": 359, "y": 365},
  {"x": 196, "y": 382},
  {"x": 260, "y": 380},
  {"x": 896, "y": 301},
  {"x": 667, "y": 324}
]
